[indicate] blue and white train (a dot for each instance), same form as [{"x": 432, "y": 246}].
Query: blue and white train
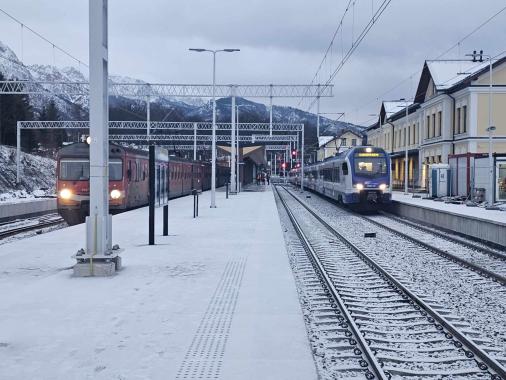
[{"x": 358, "y": 176}]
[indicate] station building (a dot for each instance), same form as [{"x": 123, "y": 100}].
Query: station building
[
  {"x": 329, "y": 146},
  {"x": 447, "y": 123}
]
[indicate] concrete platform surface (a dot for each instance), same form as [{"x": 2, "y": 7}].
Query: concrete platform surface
[
  {"x": 214, "y": 299},
  {"x": 474, "y": 212}
]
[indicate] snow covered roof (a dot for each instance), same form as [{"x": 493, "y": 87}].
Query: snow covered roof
[
  {"x": 394, "y": 106},
  {"x": 446, "y": 74},
  {"x": 322, "y": 140}
]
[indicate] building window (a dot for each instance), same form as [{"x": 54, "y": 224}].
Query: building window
[
  {"x": 439, "y": 159},
  {"x": 428, "y": 126},
  {"x": 439, "y": 122},
  {"x": 457, "y": 125},
  {"x": 433, "y": 125},
  {"x": 343, "y": 141},
  {"x": 464, "y": 119},
  {"x": 354, "y": 142}
]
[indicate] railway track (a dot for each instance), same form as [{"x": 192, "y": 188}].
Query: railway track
[
  {"x": 16, "y": 227},
  {"x": 406, "y": 336},
  {"x": 487, "y": 262}
]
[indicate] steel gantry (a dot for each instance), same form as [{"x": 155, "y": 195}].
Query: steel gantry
[
  {"x": 13, "y": 87},
  {"x": 287, "y": 131}
]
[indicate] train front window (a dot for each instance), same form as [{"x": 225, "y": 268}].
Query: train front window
[
  {"x": 79, "y": 170},
  {"x": 370, "y": 166},
  {"x": 115, "y": 170},
  {"x": 74, "y": 170}
]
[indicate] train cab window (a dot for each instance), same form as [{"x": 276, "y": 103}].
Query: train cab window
[
  {"x": 74, "y": 170},
  {"x": 345, "y": 168},
  {"x": 115, "y": 169}
]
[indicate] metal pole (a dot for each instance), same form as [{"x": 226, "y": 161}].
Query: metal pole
[
  {"x": 194, "y": 141},
  {"x": 238, "y": 172},
  {"x": 213, "y": 145},
  {"x": 318, "y": 114},
  {"x": 302, "y": 162},
  {"x": 406, "y": 151},
  {"x": 232, "y": 147},
  {"x": 490, "y": 141},
  {"x": 148, "y": 115},
  {"x": 18, "y": 152},
  {"x": 166, "y": 220},
  {"x": 151, "y": 215},
  {"x": 270, "y": 113},
  {"x": 98, "y": 223}
]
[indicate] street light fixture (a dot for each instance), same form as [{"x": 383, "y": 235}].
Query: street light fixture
[{"x": 213, "y": 159}]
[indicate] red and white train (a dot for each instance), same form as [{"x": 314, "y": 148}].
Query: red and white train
[{"x": 128, "y": 179}]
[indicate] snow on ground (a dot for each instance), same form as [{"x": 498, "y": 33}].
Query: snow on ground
[
  {"x": 38, "y": 176},
  {"x": 474, "y": 212},
  {"x": 217, "y": 293}
]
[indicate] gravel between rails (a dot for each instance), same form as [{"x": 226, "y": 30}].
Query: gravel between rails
[
  {"x": 475, "y": 301},
  {"x": 406, "y": 342}
]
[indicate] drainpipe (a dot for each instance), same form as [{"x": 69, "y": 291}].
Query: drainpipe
[
  {"x": 453, "y": 122},
  {"x": 392, "y": 145},
  {"x": 453, "y": 144}
]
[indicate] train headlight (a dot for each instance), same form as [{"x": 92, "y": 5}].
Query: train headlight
[
  {"x": 115, "y": 194},
  {"x": 359, "y": 186},
  {"x": 383, "y": 187},
  {"x": 65, "y": 194}
]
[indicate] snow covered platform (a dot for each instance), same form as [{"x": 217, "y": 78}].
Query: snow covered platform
[
  {"x": 26, "y": 207},
  {"x": 214, "y": 299},
  {"x": 476, "y": 222}
]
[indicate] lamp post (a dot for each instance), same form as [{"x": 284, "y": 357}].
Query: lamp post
[
  {"x": 406, "y": 171},
  {"x": 238, "y": 153},
  {"x": 213, "y": 145},
  {"x": 478, "y": 57}
]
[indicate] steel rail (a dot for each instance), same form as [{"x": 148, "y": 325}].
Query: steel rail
[
  {"x": 453, "y": 239},
  {"x": 490, "y": 363},
  {"x": 376, "y": 367},
  {"x": 459, "y": 260},
  {"x": 18, "y": 230}
]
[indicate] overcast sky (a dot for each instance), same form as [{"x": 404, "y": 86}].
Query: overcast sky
[{"x": 281, "y": 41}]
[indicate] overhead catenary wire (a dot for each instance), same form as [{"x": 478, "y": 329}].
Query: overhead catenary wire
[
  {"x": 54, "y": 46},
  {"x": 355, "y": 44},
  {"x": 442, "y": 54}
]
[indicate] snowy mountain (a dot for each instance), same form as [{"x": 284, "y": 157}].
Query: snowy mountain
[
  {"x": 38, "y": 174},
  {"x": 172, "y": 109}
]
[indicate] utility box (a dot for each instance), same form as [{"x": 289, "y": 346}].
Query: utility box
[{"x": 440, "y": 180}]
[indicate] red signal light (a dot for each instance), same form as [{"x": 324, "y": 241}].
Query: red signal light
[
  {"x": 294, "y": 153},
  {"x": 283, "y": 165}
]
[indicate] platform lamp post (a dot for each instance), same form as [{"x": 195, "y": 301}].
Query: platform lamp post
[
  {"x": 238, "y": 178},
  {"x": 213, "y": 145},
  {"x": 478, "y": 57}
]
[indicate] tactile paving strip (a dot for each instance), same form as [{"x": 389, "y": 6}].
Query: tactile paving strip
[{"x": 204, "y": 357}]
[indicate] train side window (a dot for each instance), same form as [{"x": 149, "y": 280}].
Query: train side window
[
  {"x": 129, "y": 171},
  {"x": 345, "y": 168}
]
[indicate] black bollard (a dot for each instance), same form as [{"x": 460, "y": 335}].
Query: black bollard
[
  {"x": 166, "y": 220},
  {"x": 226, "y": 189}
]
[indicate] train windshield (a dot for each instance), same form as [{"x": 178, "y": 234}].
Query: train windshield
[
  {"x": 79, "y": 170},
  {"x": 370, "y": 166}
]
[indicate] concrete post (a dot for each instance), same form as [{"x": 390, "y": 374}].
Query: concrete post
[
  {"x": 18, "y": 152},
  {"x": 98, "y": 223},
  {"x": 302, "y": 162},
  {"x": 270, "y": 112},
  {"x": 232, "y": 147},
  {"x": 194, "y": 141}
]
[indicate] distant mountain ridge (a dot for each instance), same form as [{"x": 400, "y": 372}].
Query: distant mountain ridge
[{"x": 73, "y": 107}]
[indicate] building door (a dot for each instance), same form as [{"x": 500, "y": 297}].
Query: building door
[{"x": 501, "y": 180}]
